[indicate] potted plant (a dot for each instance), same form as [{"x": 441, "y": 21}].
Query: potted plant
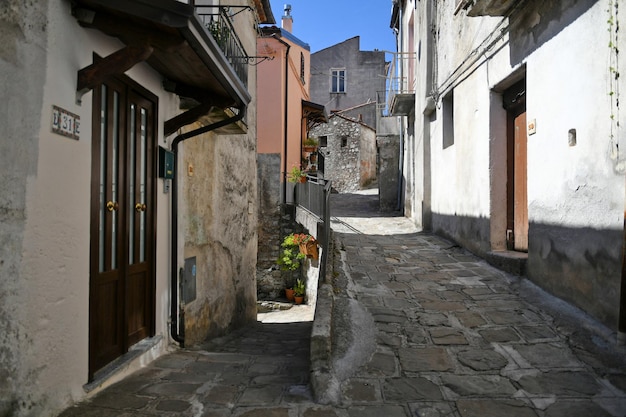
[
  {"x": 290, "y": 256},
  {"x": 298, "y": 292},
  {"x": 296, "y": 175},
  {"x": 310, "y": 144},
  {"x": 307, "y": 244},
  {"x": 290, "y": 294}
]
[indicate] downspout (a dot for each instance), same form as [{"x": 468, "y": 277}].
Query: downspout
[
  {"x": 402, "y": 119},
  {"x": 286, "y": 118},
  {"x": 621, "y": 323},
  {"x": 174, "y": 302}
]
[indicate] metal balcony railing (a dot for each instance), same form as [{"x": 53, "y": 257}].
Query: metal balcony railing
[
  {"x": 218, "y": 22},
  {"x": 400, "y": 82}
]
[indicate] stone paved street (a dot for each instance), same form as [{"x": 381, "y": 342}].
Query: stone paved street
[
  {"x": 456, "y": 337},
  {"x": 430, "y": 331}
]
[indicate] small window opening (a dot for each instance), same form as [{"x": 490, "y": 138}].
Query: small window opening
[{"x": 448, "y": 119}]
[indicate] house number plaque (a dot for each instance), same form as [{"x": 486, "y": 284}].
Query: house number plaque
[{"x": 65, "y": 123}]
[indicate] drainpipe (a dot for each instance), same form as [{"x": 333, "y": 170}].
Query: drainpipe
[
  {"x": 286, "y": 118},
  {"x": 621, "y": 324},
  {"x": 402, "y": 119},
  {"x": 174, "y": 302}
]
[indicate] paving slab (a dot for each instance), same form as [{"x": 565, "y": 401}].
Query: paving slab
[{"x": 425, "y": 329}]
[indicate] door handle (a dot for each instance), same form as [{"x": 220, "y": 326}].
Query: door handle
[
  {"x": 140, "y": 207},
  {"x": 112, "y": 205}
]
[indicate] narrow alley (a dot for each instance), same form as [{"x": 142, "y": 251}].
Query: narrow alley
[{"x": 434, "y": 331}]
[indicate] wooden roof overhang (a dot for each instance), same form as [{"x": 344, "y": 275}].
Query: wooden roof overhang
[
  {"x": 169, "y": 36},
  {"x": 314, "y": 113}
]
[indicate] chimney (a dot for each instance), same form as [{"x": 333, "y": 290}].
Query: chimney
[{"x": 287, "y": 21}]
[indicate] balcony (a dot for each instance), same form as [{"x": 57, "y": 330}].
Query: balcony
[
  {"x": 169, "y": 36},
  {"x": 399, "y": 98},
  {"x": 484, "y": 7},
  {"x": 217, "y": 20}
]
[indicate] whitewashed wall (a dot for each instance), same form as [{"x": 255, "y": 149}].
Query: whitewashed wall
[
  {"x": 575, "y": 193},
  {"x": 48, "y": 295}
]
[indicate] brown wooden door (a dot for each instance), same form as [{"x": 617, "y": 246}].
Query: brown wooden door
[
  {"x": 514, "y": 101},
  {"x": 121, "y": 295},
  {"x": 520, "y": 204}
]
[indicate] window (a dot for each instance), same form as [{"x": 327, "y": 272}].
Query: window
[
  {"x": 448, "y": 119},
  {"x": 344, "y": 141},
  {"x": 302, "y": 68},
  {"x": 323, "y": 141},
  {"x": 337, "y": 80}
]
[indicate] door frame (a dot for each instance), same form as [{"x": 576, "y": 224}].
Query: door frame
[
  {"x": 514, "y": 102},
  {"x": 499, "y": 116},
  {"x": 130, "y": 88}
]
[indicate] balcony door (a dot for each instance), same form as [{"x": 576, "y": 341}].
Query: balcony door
[{"x": 122, "y": 287}]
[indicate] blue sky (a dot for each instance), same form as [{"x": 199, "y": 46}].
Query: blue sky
[{"x": 323, "y": 23}]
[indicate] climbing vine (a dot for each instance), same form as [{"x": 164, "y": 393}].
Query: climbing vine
[{"x": 613, "y": 83}]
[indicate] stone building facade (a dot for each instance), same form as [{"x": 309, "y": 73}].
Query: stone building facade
[
  {"x": 348, "y": 150},
  {"x": 112, "y": 185},
  {"x": 347, "y": 79},
  {"x": 283, "y": 120},
  {"x": 513, "y": 148}
]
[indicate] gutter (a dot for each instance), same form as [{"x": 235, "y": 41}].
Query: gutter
[
  {"x": 177, "y": 306},
  {"x": 286, "y": 119}
]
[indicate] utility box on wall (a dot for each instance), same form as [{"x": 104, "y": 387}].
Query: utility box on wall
[{"x": 166, "y": 164}]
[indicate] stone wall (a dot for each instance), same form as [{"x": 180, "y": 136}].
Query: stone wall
[
  {"x": 220, "y": 229},
  {"x": 271, "y": 281},
  {"x": 389, "y": 155},
  {"x": 342, "y": 153}
]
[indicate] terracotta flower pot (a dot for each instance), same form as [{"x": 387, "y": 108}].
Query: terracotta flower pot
[
  {"x": 309, "y": 249},
  {"x": 289, "y": 293},
  {"x": 299, "y": 299}
]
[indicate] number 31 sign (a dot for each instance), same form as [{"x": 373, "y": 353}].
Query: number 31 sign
[{"x": 65, "y": 123}]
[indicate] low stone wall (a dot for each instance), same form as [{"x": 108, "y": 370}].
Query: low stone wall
[{"x": 343, "y": 332}]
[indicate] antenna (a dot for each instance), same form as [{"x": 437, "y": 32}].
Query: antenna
[{"x": 287, "y": 8}]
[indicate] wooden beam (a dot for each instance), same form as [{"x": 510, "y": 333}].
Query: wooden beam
[
  {"x": 114, "y": 64},
  {"x": 172, "y": 125},
  {"x": 205, "y": 99},
  {"x": 136, "y": 33}
]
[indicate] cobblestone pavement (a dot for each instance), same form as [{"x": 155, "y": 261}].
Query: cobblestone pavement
[
  {"x": 457, "y": 337},
  {"x": 442, "y": 334}
]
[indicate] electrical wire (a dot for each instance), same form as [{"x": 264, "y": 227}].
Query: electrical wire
[{"x": 500, "y": 30}]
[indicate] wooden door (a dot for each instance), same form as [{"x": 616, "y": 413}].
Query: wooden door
[
  {"x": 514, "y": 101},
  {"x": 121, "y": 298},
  {"x": 520, "y": 200}
]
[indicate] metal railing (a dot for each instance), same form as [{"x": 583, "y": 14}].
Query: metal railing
[
  {"x": 219, "y": 24},
  {"x": 400, "y": 79},
  {"x": 314, "y": 196}
]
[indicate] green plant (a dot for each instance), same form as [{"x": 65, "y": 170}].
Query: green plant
[
  {"x": 296, "y": 174},
  {"x": 219, "y": 32},
  {"x": 310, "y": 142},
  {"x": 290, "y": 257},
  {"x": 298, "y": 289}
]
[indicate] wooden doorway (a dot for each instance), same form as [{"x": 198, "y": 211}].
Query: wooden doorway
[
  {"x": 517, "y": 167},
  {"x": 122, "y": 273}
]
